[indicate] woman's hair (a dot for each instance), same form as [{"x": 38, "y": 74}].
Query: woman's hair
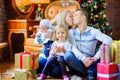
[
  {"x": 60, "y": 18},
  {"x": 56, "y": 28}
]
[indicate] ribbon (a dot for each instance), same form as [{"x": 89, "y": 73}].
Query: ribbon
[
  {"x": 29, "y": 53},
  {"x": 105, "y": 53},
  {"x": 107, "y": 75}
]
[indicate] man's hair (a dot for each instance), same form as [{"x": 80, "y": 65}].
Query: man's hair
[{"x": 84, "y": 12}]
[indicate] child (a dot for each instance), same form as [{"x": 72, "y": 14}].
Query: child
[
  {"x": 42, "y": 34},
  {"x": 59, "y": 47}
]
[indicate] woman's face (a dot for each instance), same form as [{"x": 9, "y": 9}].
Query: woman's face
[{"x": 69, "y": 19}]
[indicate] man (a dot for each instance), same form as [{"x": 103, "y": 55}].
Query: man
[{"x": 83, "y": 59}]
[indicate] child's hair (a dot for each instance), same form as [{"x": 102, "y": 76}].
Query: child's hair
[
  {"x": 57, "y": 27},
  {"x": 44, "y": 23}
]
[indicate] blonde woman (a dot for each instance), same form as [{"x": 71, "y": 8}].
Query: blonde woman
[{"x": 63, "y": 18}]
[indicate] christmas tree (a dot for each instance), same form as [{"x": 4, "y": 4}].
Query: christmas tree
[{"x": 97, "y": 16}]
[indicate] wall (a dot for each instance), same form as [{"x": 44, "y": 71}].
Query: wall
[
  {"x": 2, "y": 22},
  {"x": 113, "y": 13},
  {"x": 4, "y": 52}
]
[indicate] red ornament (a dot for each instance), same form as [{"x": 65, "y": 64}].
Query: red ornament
[
  {"x": 95, "y": 20},
  {"x": 79, "y": 1},
  {"x": 97, "y": 16},
  {"x": 90, "y": 1},
  {"x": 104, "y": 32}
]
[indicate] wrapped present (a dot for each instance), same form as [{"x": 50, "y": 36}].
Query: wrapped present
[
  {"x": 107, "y": 71},
  {"x": 115, "y": 51},
  {"x": 105, "y": 54},
  {"x": 25, "y": 74},
  {"x": 26, "y": 60}
]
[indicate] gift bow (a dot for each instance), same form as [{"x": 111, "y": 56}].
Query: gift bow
[{"x": 29, "y": 53}]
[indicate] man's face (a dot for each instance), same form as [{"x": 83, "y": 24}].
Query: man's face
[{"x": 77, "y": 18}]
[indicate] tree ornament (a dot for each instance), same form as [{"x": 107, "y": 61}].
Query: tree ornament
[
  {"x": 107, "y": 24},
  {"x": 90, "y": 1},
  {"x": 95, "y": 7},
  {"x": 104, "y": 16},
  {"x": 104, "y": 32},
  {"x": 79, "y": 1},
  {"x": 95, "y": 20},
  {"x": 97, "y": 16}
]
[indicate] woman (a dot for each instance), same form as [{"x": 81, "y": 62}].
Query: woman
[{"x": 62, "y": 18}]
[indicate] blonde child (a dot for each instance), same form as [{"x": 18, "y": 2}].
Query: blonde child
[{"x": 59, "y": 47}]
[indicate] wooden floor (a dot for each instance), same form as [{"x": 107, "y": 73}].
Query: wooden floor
[
  {"x": 4, "y": 67},
  {"x": 9, "y": 67}
]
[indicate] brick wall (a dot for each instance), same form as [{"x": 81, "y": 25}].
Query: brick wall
[
  {"x": 4, "y": 52},
  {"x": 2, "y": 21},
  {"x": 113, "y": 13}
]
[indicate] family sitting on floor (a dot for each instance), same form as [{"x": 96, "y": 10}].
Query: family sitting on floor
[{"x": 65, "y": 45}]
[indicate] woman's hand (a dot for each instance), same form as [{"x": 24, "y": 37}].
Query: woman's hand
[{"x": 48, "y": 34}]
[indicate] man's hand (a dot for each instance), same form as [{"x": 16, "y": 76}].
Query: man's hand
[
  {"x": 94, "y": 58},
  {"x": 88, "y": 61}
]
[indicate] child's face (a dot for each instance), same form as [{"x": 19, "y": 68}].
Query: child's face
[
  {"x": 61, "y": 34},
  {"x": 44, "y": 29}
]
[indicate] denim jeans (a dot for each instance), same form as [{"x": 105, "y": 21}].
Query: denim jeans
[
  {"x": 52, "y": 60},
  {"x": 43, "y": 59},
  {"x": 46, "y": 47},
  {"x": 76, "y": 65}
]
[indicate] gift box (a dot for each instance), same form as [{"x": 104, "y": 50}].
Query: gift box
[
  {"x": 26, "y": 60},
  {"x": 115, "y": 51},
  {"x": 107, "y": 71},
  {"x": 25, "y": 74},
  {"x": 105, "y": 54}
]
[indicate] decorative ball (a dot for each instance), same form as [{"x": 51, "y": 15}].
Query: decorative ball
[
  {"x": 104, "y": 16},
  {"x": 97, "y": 16}
]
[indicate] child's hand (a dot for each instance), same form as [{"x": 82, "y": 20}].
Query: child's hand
[
  {"x": 63, "y": 49},
  {"x": 55, "y": 49},
  {"x": 38, "y": 34},
  {"x": 58, "y": 49}
]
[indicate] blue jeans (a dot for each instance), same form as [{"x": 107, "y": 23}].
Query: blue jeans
[
  {"x": 46, "y": 47},
  {"x": 54, "y": 69},
  {"x": 57, "y": 60},
  {"x": 42, "y": 61},
  {"x": 76, "y": 66}
]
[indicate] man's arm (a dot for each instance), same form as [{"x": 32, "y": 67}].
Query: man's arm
[{"x": 105, "y": 39}]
